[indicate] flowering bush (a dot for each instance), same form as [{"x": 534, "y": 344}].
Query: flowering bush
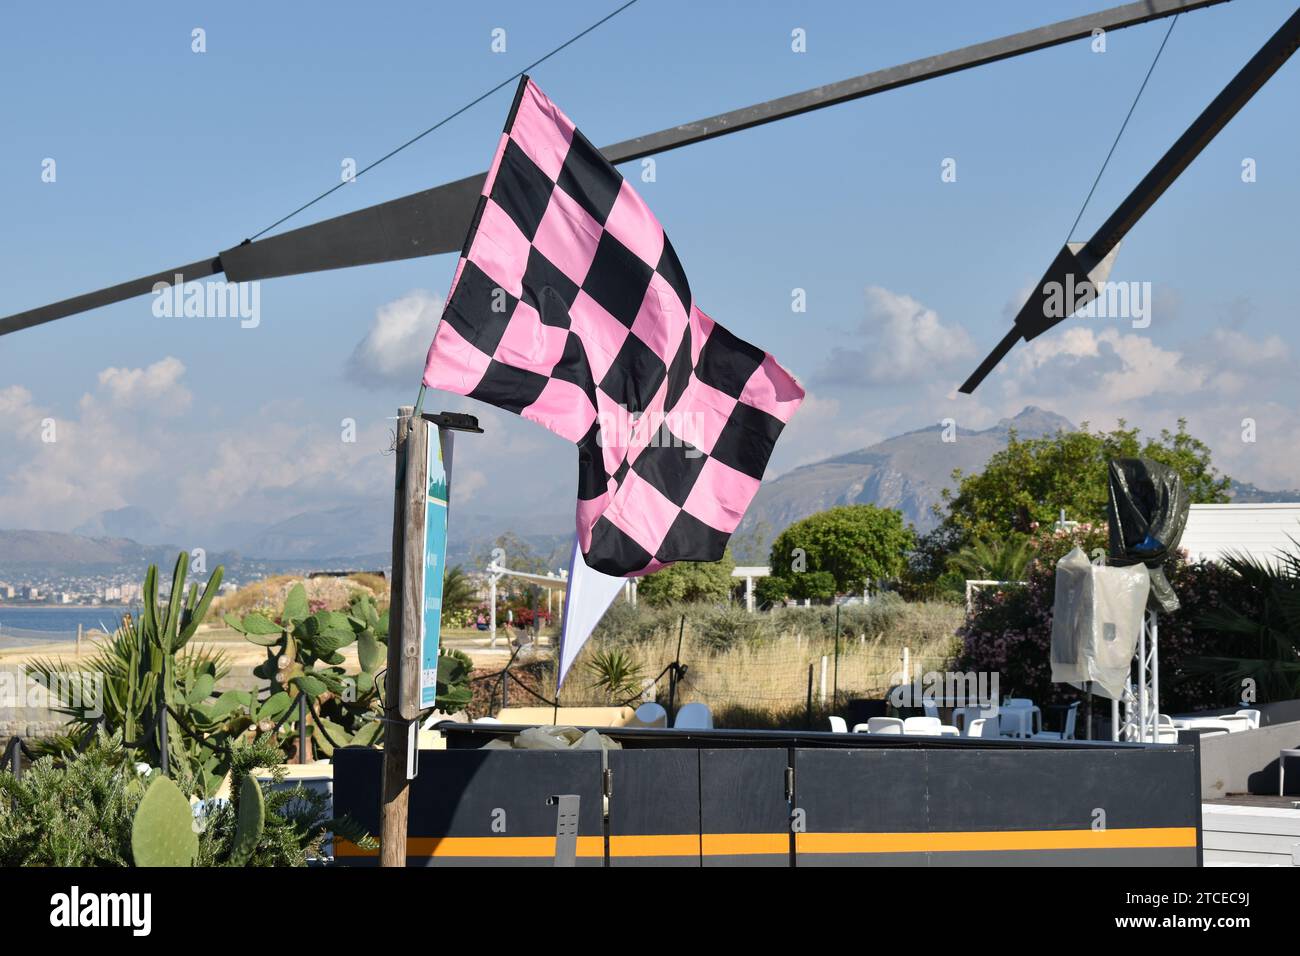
[
  {"x": 524, "y": 617},
  {"x": 1009, "y": 630}
]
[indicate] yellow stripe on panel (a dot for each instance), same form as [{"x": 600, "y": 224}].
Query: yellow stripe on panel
[{"x": 1134, "y": 837}]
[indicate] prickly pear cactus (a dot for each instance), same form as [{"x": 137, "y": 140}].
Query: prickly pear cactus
[
  {"x": 252, "y": 818},
  {"x": 162, "y": 833}
]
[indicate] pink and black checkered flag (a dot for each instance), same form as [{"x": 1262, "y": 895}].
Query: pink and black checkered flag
[{"x": 570, "y": 308}]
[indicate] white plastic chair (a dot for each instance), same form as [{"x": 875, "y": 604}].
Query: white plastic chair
[
  {"x": 1019, "y": 717},
  {"x": 1066, "y": 732},
  {"x": 649, "y": 715},
  {"x": 922, "y": 727},
  {"x": 962, "y": 717},
  {"x": 838, "y": 725},
  {"x": 1236, "y": 722},
  {"x": 883, "y": 725},
  {"x": 694, "y": 716},
  {"x": 982, "y": 727},
  {"x": 485, "y": 720},
  {"x": 1251, "y": 715}
]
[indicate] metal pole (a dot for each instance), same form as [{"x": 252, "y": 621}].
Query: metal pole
[
  {"x": 835, "y": 692},
  {"x": 566, "y": 828},
  {"x": 1035, "y": 316},
  {"x": 302, "y": 727},
  {"x": 807, "y": 721},
  {"x": 15, "y": 752},
  {"x": 1155, "y": 669},
  {"x": 1143, "y": 702},
  {"x": 492, "y": 609},
  {"x": 677, "y": 663}
]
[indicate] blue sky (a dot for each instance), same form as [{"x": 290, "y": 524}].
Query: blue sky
[{"x": 165, "y": 156}]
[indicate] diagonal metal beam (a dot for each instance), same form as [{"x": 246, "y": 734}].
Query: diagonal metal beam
[
  {"x": 435, "y": 220},
  {"x": 1075, "y": 267}
]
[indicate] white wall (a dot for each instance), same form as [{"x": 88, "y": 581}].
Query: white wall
[{"x": 1257, "y": 529}]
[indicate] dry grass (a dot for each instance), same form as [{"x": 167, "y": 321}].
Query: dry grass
[
  {"x": 269, "y": 594},
  {"x": 762, "y": 679}
]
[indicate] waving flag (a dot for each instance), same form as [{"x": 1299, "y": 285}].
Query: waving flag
[{"x": 569, "y": 307}]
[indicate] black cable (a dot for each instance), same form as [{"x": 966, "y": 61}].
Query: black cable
[
  {"x": 447, "y": 119},
  {"x": 1123, "y": 126}
]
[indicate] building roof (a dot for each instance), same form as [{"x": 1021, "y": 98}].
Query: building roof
[{"x": 1261, "y": 530}]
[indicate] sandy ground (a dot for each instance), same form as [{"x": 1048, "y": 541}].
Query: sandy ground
[{"x": 243, "y": 655}]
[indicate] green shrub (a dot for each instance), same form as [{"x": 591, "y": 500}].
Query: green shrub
[
  {"x": 73, "y": 813},
  {"x": 689, "y": 581},
  {"x": 722, "y": 629},
  {"x": 79, "y": 811},
  {"x": 616, "y": 673}
]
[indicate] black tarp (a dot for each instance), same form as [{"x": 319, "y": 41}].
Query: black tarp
[{"x": 1147, "y": 511}]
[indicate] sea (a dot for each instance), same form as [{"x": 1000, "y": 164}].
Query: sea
[{"x": 28, "y": 625}]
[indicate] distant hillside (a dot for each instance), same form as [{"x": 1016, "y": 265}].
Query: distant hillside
[
  {"x": 356, "y": 529},
  {"x": 907, "y": 472},
  {"x": 49, "y": 550},
  {"x": 1244, "y": 493},
  {"x": 132, "y": 522}
]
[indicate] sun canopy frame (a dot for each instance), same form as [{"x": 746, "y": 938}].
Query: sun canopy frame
[{"x": 435, "y": 221}]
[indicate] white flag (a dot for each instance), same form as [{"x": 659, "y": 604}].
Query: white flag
[{"x": 589, "y": 596}]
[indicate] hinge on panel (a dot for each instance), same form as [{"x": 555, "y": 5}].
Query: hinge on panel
[
  {"x": 608, "y": 781},
  {"x": 789, "y": 784}
]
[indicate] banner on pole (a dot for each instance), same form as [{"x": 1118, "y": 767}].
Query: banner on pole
[{"x": 435, "y": 554}]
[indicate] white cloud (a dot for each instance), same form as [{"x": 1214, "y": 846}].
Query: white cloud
[
  {"x": 393, "y": 350},
  {"x": 157, "y": 386},
  {"x": 902, "y": 342}
]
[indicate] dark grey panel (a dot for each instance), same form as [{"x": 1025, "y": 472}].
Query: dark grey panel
[
  {"x": 862, "y": 791},
  {"x": 457, "y": 791},
  {"x": 1060, "y": 789},
  {"x": 655, "y": 792},
  {"x": 461, "y": 793},
  {"x": 742, "y": 792}
]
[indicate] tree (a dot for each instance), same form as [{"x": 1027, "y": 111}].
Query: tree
[
  {"x": 458, "y": 591},
  {"x": 769, "y": 591},
  {"x": 1261, "y": 629},
  {"x": 997, "y": 559},
  {"x": 813, "y": 586},
  {"x": 1028, "y": 483},
  {"x": 688, "y": 581},
  {"x": 853, "y": 544}
]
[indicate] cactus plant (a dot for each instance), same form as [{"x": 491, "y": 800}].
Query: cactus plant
[
  {"x": 145, "y": 669},
  {"x": 162, "y": 833},
  {"x": 304, "y": 660},
  {"x": 252, "y": 820}
]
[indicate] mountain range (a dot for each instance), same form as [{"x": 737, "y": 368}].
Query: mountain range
[{"x": 908, "y": 472}]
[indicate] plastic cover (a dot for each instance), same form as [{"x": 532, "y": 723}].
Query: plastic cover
[
  {"x": 1147, "y": 511},
  {"x": 1096, "y": 619}
]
